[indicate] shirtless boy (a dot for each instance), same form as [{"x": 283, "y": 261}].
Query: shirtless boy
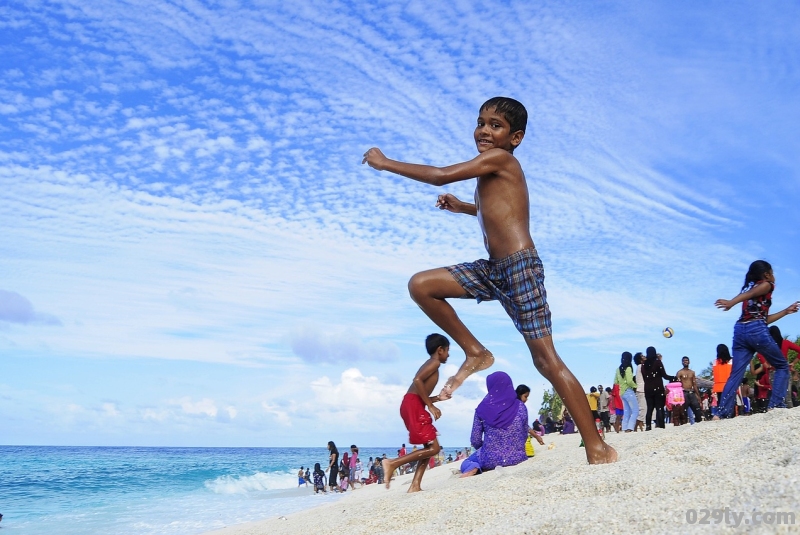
[
  {"x": 513, "y": 274},
  {"x": 691, "y": 394},
  {"x": 417, "y": 420}
]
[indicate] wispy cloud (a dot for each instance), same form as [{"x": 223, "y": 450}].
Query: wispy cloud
[{"x": 182, "y": 181}]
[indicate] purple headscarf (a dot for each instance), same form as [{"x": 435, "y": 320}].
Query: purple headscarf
[{"x": 499, "y": 407}]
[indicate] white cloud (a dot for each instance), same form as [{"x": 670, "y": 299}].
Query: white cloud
[{"x": 183, "y": 183}]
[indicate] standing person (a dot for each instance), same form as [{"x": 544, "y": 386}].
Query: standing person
[
  {"x": 786, "y": 346},
  {"x": 593, "y": 397},
  {"x": 675, "y": 403},
  {"x": 615, "y": 407},
  {"x": 513, "y": 274},
  {"x": 344, "y": 468},
  {"x": 721, "y": 370},
  {"x": 762, "y": 384},
  {"x": 751, "y": 335},
  {"x": 417, "y": 420},
  {"x": 746, "y": 395},
  {"x": 638, "y": 359},
  {"x": 353, "y": 476},
  {"x": 499, "y": 428},
  {"x": 653, "y": 373},
  {"x": 333, "y": 466},
  {"x": 627, "y": 387},
  {"x": 691, "y": 394},
  {"x": 301, "y": 478},
  {"x": 602, "y": 408}
]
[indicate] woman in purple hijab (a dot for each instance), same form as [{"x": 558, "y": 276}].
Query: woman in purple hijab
[{"x": 499, "y": 428}]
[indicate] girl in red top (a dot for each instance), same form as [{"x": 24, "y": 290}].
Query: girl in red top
[
  {"x": 751, "y": 335},
  {"x": 786, "y": 346}
]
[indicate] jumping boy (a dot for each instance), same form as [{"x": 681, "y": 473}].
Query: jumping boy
[
  {"x": 513, "y": 274},
  {"x": 417, "y": 420}
]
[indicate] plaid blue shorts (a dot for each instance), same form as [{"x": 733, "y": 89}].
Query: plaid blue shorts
[{"x": 517, "y": 281}]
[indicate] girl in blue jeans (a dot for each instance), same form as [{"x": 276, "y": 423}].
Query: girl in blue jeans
[
  {"x": 624, "y": 377},
  {"x": 751, "y": 335}
]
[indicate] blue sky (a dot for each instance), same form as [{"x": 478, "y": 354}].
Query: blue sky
[{"x": 193, "y": 255}]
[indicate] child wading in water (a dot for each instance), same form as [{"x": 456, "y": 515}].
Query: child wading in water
[
  {"x": 513, "y": 274},
  {"x": 417, "y": 420},
  {"x": 751, "y": 335}
]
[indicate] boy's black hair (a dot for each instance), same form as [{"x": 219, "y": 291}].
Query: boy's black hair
[
  {"x": 521, "y": 390},
  {"x": 435, "y": 341},
  {"x": 513, "y": 110},
  {"x": 593, "y": 389},
  {"x": 756, "y": 272},
  {"x": 638, "y": 358}
]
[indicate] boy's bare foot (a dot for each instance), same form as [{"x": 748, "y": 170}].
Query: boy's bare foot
[
  {"x": 414, "y": 488},
  {"x": 388, "y": 471},
  {"x": 470, "y": 473},
  {"x": 605, "y": 454},
  {"x": 473, "y": 363}
]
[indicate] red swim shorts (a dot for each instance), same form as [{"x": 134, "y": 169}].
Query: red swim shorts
[{"x": 418, "y": 421}]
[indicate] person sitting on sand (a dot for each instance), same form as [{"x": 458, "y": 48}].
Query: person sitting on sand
[
  {"x": 568, "y": 427},
  {"x": 523, "y": 393},
  {"x": 319, "y": 479},
  {"x": 499, "y": 428},
  {"x": 538, "y": 428},
  {"x": 417, "y": 420}
]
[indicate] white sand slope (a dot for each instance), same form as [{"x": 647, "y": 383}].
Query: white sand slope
[{"x": 749, "y": 464}]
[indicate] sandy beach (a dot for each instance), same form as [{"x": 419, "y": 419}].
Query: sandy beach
[{"x": 749, "y": 465}]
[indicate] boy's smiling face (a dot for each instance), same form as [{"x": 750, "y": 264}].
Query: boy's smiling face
[{"x": 494, "y": 131}]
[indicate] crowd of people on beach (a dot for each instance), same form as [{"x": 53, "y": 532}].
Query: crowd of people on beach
[
  {"x": 350, "y": 472},
  {"x": 639, "y": 400}
]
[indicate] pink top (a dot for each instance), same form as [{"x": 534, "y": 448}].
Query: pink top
[{"x": 675, "y": 394}]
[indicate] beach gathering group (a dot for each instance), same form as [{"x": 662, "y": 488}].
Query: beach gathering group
[
  {"x": 514, "y": 275},
  {"x": 349, "y": 471}
]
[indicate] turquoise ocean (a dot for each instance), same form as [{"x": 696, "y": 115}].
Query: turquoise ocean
[{"x": 165, "y": 491}]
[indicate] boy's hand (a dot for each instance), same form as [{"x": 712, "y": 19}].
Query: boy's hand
[
  {"x": 436, "y": 412},
  {"x": 448, "y": 202},
  {"x": 375, "y": 159},
  {"x": 794, "y": 307},
  {"x": 724, "y": 304}
]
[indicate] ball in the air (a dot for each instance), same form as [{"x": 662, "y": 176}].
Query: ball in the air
[{"x": 668, "y": 332}]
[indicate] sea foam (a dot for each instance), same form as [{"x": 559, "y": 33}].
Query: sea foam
[{"x": 258, "y": 482}]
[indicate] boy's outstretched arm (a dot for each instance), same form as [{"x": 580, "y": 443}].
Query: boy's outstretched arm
[{"x": 488, "y": 162}]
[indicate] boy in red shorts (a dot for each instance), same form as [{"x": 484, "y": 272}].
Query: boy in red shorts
[{"x": 417, "y": 420}]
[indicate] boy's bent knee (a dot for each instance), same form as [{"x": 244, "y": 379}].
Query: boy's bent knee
[{"x": 416, "y": 286}]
